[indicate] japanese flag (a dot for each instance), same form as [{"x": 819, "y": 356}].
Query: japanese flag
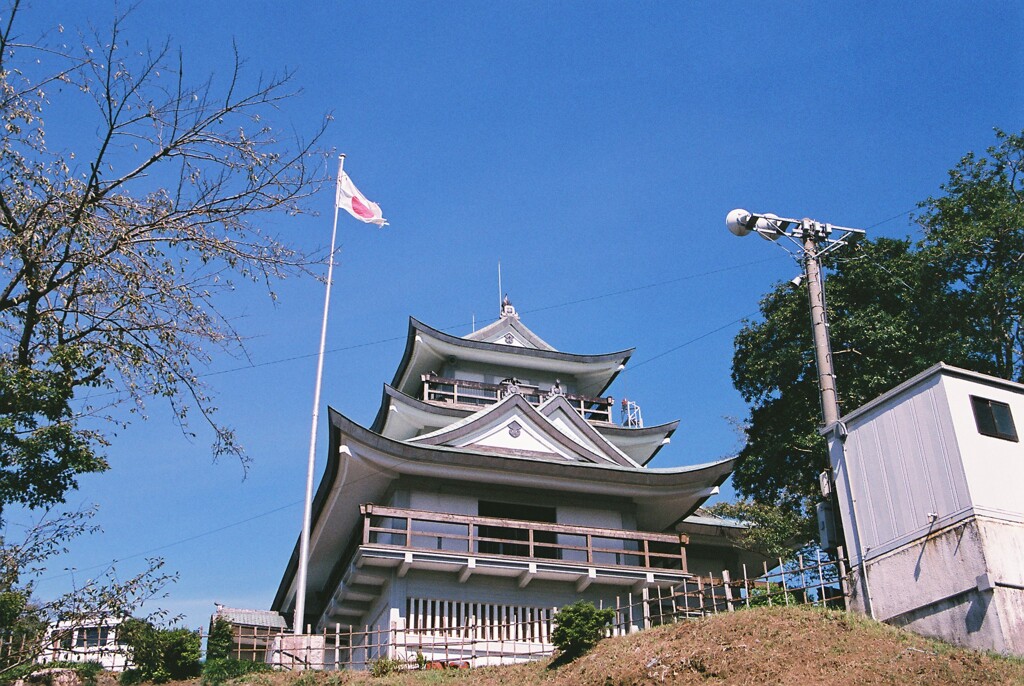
[{"x": 356, "y": 204}]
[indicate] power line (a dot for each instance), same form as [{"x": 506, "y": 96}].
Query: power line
[
  {"x": 178, "y": 542},
  {"x": 691, "y": 341},
  {"x": 567, "y": 303},
  {"x": 210, "y": 532},
  {"x": 886, "y": 221},
  {"x": 656, "y": 284}
]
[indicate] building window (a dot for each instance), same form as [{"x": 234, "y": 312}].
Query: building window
[
  {"x": 504, "y": 540},
  {"x": 91, "y": 637},
  {"x": 994, "y": 418}
]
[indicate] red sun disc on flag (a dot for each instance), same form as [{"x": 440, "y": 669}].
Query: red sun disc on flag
[{"x": 361, "y": 209}]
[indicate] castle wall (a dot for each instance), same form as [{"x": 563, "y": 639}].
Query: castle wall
[{"x": 486, "y": 373}]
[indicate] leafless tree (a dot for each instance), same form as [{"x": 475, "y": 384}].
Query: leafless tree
[{"x": 114, "y": 251}]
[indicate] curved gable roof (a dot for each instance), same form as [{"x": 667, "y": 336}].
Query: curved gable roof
[
  {"x": 640, "y": 443},
  {"x": 497, "y": 330},
  {"x": 427, "y": 349},
  {"x": 418, "y": 414},
  {"x": 402, "y": 417}
]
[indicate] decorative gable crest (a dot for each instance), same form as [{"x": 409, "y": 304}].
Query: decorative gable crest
[{"x": 513, "y": 427}]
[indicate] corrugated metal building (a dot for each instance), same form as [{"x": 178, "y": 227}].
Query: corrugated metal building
[{"x": 929, "y": 479}]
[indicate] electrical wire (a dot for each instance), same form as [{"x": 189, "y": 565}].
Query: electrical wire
[
  {"x": 266, "y": 513},
  {"x": 569, "y": 303},
  {"x": 194, "y": 537}
]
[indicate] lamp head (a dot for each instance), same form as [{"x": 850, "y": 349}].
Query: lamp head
[
  {"x": 739, "y": 222},
  {"x": 768, "y": 226}
]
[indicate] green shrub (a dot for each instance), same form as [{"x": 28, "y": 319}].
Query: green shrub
[
  {"x": 219, "y": 670},
  {"x": 383, "y": 666},
  {"x": 86, "y": 671},
  {"x": 580, "y": 626},
  {"x": 159, "y": 655},
  {"x": 772, "y": 594},
  {"x": 218, "y": 644},
  {"x": 21, "y": 671}
]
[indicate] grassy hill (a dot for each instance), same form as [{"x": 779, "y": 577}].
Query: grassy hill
[{"x": 756, "y": 646}]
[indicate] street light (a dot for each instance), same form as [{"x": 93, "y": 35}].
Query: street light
[{"x": 812, "y": 239}]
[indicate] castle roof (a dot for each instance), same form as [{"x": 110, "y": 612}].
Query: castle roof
[
  {"x": 402, "y": 417},
  {"x": 428, "y": 349},
  {"x": 363, "y": 465}
]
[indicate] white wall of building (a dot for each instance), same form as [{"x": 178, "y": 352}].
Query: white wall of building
[
  {"x": 84, "y": 642},
  {"x": 994, "y": 466}
]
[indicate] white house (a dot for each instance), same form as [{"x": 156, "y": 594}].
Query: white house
[
  {"x": 86, "y": 641},
  {"x": 492, "y": 488},
  {"x": 928, "y": 482}
]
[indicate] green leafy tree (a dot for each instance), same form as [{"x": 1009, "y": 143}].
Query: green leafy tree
[
  {"x": 895, "y": 307},
  {"x": 888, "y": 322},
  {"x": 974, "y": 235},
  {"x": 115, "y": 249},
  {"x": 773, "y": 532}
]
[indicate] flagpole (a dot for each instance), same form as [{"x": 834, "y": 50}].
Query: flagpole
[{"x": 307, "y": 510}]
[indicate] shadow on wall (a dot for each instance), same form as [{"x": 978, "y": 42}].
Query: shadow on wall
[{"x": 977, "y": 612}]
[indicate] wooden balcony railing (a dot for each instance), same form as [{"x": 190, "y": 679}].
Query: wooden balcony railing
[
  {"x": 422, "y": 530},
  {"x": 440, "y": 389}
]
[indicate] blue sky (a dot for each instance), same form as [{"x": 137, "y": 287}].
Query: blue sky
[{"x": 594, "y": 149}]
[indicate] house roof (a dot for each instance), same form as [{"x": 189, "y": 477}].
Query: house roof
[
  {"x": 938, "y": 369},
  {"x": 267, "y": 618},
  {"x": 428, "y": 349}
]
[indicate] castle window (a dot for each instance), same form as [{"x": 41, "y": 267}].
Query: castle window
[
  {"x": 505, "y": 540},
  {"x": 994, "y": 418}
]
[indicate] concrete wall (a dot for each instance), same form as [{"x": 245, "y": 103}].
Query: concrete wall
[{"x": 946, "y": 586}]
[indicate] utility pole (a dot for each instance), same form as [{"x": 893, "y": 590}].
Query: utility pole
[
  {"x": 812, "y": 240},
  {"x": 812, "y": 233}
]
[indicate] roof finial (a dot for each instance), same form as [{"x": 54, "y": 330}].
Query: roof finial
[{"x": 507, "y": 310}]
